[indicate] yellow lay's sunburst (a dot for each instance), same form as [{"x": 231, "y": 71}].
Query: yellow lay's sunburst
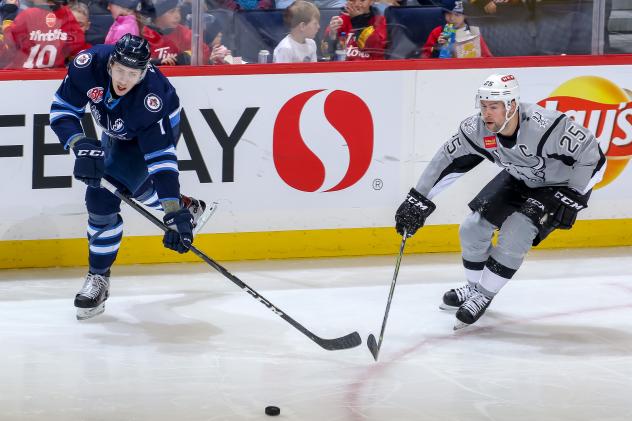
[{"x": 605, "y": 109}]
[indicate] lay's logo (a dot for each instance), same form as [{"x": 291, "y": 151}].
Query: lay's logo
[{"x": 606, "y": 110}]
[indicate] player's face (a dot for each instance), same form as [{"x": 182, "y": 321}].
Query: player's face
[
  {"x": 311, "y": 29},
  {"x": 124, "y": 78},
  {"x": 493, "y": 114}
]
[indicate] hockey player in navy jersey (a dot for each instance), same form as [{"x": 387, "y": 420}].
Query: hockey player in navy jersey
[
  {"x": 139, "y": 112},
  {"x": 550, "y": 165}
]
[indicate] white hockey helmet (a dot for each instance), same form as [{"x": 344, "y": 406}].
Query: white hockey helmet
[{"x": 499, "y": 87}]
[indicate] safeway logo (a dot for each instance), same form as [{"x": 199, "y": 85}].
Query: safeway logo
[{"x": 314, "y": 155}]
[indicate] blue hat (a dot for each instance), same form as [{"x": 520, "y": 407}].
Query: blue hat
[
  {"x": 128, "y": 4},
  {"x": 452, "y": 6}
]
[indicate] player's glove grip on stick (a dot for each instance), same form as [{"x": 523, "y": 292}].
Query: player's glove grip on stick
[
  {"x": 412, "y": 213},
  {"x": 89, "y": 162},
  {"x": 179, "y": 237}
]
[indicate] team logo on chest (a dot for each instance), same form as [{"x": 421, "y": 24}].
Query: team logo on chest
[
  {"x": 95, "y": 94},
  {"x": 83, "y": 59},
  {"x": 117, "y": 126},
  {"x": 153, "y": 103}
]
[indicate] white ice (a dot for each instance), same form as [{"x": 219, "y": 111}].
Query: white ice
[{"x": 181, "y": 342}]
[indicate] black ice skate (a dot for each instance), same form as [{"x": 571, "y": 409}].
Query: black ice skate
[
  {"x": 90, "y": 300},
  {"x": 471, "y": 310},
  {"x": 201, "y": 213},
  {"x": 455, "y": 298}
]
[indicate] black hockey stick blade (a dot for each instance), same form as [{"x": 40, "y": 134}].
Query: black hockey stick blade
[
  {"x": 372, "y": 344},
  {"x": 345, "y": 342}
]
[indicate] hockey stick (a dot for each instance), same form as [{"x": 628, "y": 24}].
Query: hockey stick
[
  {"x": 348, "y": 341},
  {"x": 374, "y": 346}
]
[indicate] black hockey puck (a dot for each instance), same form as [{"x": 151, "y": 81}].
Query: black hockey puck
[{"x": 272, "y": 410}]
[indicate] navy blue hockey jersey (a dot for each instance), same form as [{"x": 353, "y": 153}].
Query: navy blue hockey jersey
[{"x": 148, "y": 114}]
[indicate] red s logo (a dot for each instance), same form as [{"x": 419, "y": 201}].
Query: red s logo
[{"x": 298, "y": 165}]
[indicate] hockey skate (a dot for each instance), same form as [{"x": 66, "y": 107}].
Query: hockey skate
[
  {"x": 200, "y": 211},
  {"x": 90, "y": 300},
  {"x": 455, "y": 298},
  {"x": 471, "y": 310}
]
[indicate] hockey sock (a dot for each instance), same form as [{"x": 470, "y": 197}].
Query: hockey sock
[
  {"x": 473, "y": 271},
  {"x": 149, "y": 198},
  {"x": 104, "y": 236},
  {"x": 495, "y": 276}
]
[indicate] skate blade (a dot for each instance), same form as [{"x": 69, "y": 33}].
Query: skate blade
[
  {"x": 208, "y": 212},
  {"x": 446, "y": 307},
  {"x": 460, "y": 325},
  {"x": 88, "y": 313}
]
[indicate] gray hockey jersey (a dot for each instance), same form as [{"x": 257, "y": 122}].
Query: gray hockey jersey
[{"x": 550, "y": 150}]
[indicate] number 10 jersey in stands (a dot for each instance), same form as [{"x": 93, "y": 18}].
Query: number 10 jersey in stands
[{"x": 40, "y": 38}]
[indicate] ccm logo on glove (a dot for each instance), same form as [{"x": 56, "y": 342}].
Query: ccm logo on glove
[
  {"x": 568, "y": 201},
  {"x": 95, "y": 153}
]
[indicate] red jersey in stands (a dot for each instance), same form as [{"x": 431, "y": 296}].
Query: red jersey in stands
[
  {"x": 41, "y": 38},
  {"x": 171, "y": 43},
  {"x": 365, "y": 43}
]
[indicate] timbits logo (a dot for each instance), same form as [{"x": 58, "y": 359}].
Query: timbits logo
[
  {"x": 606, "y": 110},
  {"x": 314, "y": 155}
]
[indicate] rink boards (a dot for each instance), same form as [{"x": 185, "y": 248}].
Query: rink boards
[{"x": 308, "y": 160}]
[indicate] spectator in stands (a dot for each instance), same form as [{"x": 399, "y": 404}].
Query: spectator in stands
[
  {"x": 81, "y": 12},
  {"x": 469, "y": 37},
  {"x": 241, "y": 4},
  {"x": 170, "y": 41},
  {"x": 303, "y": 19},
  {"x": 359, "y": 30},
  {"x": 321, "y": 4},
  {"x": 491, "y": 6},
  {"x": 125, "y": 19},
  {"x": 37, "y": 40}
]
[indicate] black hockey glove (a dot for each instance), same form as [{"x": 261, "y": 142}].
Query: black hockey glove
[
  {"x": 180, "y": 234},
  {"x": 89, "y": 162},
  {"x": 568, "y": 204},
  {"x": 412, "y": 213}
]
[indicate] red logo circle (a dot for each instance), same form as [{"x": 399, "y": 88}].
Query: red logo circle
[
  {"x": 51, "y": 19},
  {"x": 298, "y": 165}
]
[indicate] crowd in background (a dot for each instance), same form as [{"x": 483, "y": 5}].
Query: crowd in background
[{"x": 49, "y": 33}]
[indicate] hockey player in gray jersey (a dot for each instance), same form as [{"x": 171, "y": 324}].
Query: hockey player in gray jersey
[{"x": 550, "y": 165}]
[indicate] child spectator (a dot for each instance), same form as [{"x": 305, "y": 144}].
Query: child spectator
[
  {"x": 125, "y": 19},
  {"x": 360, "y": 31},
  {"x": 81, "y": 12},
  {"x": 42, "y": 36},
  {"x": 303, "y": 19},
  {"x": 170, "y": 41},
  {"x": 454, "y": 15}
]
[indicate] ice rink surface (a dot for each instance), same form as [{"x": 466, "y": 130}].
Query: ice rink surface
[{"x": 180, "y": 342}]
